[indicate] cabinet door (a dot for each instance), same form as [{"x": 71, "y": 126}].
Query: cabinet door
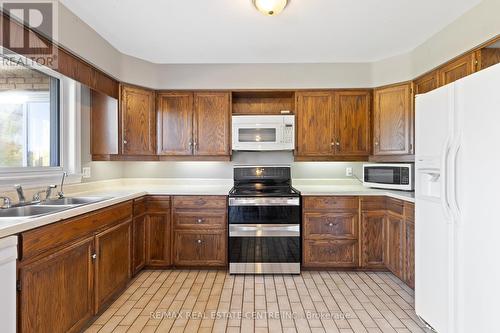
[
  {"x": 372, "y": 239},
  {"x": 315, "y": 127},
  {"x": 138, "y": 121},
  {"x": 57, "y": 291},
  {"x": 331, "y": 253},
  {"x": 352, "y": 110},
  {"x": 426, "y": 83},
  {"x": 395, "y": 244},
  {"x": 104, "y": 124},
  {"x": 139, "y": 243},
  {"x": 410, "y": 254},
  {"x": 457, "y": 69},
  {"x": 212, "y": 111},
  {"x": 336, "y": 225},
  {"x": 200, "y": 248},
  {"x": 113, "y": 262},
  {"x": 158, "y": 240},
  {"x": 175, "y": 124},
  {"x": 393, "y": 120}
]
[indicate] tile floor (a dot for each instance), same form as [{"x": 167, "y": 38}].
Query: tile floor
[{"x": 214, "y": 301}]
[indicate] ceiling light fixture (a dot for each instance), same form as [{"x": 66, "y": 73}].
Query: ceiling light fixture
[{"x": 270, "y": 7}]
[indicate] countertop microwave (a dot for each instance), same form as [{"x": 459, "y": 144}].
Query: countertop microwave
[
  {"x": 263, "y": 133},
  {"x": 396, "y": 176}
]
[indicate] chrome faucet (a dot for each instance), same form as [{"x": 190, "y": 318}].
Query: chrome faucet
[
  {"x": 6, "y": 202},
  {"x": 20, "y": 194},
  {"x": 47, "y": 191},
  {"x": 60, "y": 194}
]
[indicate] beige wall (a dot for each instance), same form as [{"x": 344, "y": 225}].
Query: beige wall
[{"x": 473, "y": 28}]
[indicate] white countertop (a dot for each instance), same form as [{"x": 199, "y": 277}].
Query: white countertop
[{"x": 121, "y": 190}]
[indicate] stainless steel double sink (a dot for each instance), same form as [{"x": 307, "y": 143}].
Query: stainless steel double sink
[{"x": 48, "y": 207}]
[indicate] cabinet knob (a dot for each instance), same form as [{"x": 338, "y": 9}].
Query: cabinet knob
[
  {"x": 198, "y": 241},
  {"x": 332, "y": 144},
  {"x": 200, "y": 221},
  {"x": 124, "y": 141},
  {"x": 190, "y": 144},
  {"x": 94, "y": 256},
  {"x": 376, "y": 143}
]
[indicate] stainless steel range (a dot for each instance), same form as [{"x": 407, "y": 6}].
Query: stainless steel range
[{"x": 264, "y": 222}]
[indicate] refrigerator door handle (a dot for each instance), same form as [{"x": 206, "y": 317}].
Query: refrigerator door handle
[
  {"x": 444, "y": 181},
  {"x": 455, "y": 209}
]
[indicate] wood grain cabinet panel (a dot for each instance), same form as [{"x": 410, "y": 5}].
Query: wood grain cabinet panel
[
  {"x": 395, "y": 238},
  {"x": 335, "y": 225},
  {"x": 331, "y": 253},
  {"x": 158, "y": 240},
  {"x": 139, "y": 243},
  {"x": 393, "y": 120},
  {"x": 138, "y": 121},
  {"x": 458, "y": 68},
  {"x": 410, "y": 244},
  {"x": 104, "y": 124},
  {"x": 330, "y": 203},
  {"x": 113, "y": 249},
  {"x": 204, "y": 219},
  {"x": 200, "y": 248},
  {"x": 426, "y": 83},
  {"x": 212, "y": 112},
  {"x": 57, "y": 291},
  {"x": 175, "y": 123},
  {"x": 315, "y": 123},
  {"x": 352, "y": 112},
  {"x": 372, "y": 239}
]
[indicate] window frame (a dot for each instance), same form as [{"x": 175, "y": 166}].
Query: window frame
[{"x": 69, "y": 137}]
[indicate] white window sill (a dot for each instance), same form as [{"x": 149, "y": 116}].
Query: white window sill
[{"x": 35, "y": 179}]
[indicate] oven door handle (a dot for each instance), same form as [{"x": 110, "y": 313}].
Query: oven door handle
[
  {"x": 276, "y": 201},
  {"x": 264, "y": 230}
]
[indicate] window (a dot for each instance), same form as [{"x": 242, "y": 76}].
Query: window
[{"x": 29, "y": 117}]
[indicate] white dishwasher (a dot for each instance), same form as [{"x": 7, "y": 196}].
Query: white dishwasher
[{"x": 8, "y": 257}]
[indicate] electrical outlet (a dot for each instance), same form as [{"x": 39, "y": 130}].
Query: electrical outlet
[
  {"x": 86, "y": 172},
  {"x": 348, "y": 172}
]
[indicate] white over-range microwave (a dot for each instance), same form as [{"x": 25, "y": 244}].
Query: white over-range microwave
[
  {"x": 263, "y": 133},
  {"x": 396, "y": 176}
]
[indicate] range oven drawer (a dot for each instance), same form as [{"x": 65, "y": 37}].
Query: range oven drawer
[
  {"x": 264, "y": 250},
  {"x": 264, "y": 215}
]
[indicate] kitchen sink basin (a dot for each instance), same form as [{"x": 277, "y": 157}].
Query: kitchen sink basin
[
  {"x": 71, "y": 201},
  {"x": 31, "y": 211}
]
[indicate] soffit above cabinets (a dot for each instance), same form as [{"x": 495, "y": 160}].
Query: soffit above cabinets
[{"x": 229, "y": 31}]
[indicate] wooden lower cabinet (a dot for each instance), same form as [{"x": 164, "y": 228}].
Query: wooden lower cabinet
[
  {"x": 57, "y": 291},
  {"x": 200, "y": 248},
  {"x": 372, "y": 239},
  {"x": 158, "y": 232},
  {"x": 113, "y": 249},
  {"x": 395, "y": 243},
  {"x": 139, "y": 243},
  {"x": 331, "y": 253},
  {"x": 410, "y": 244}
]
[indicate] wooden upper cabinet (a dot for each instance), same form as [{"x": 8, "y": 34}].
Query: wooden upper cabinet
[
  {"x": 138, "y": 121},
  {"x": 315, "y": 123},
  {"x": 426, "y": 83},
  {"x": 175, "y": 123},
  {"x": 212, "y": 112},
  {"x": 104, "y": 124},
  {"x": 393, "y": 120},
  {"x": 458, "y": 69},
  {"x": 57, "y": 291},
  {"x": 352, "y": 114}
]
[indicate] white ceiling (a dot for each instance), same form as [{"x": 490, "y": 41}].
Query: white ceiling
[{"x": 232, "y": 31}]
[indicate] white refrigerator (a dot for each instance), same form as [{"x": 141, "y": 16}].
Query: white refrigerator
[{"x": 457, "y": 229}]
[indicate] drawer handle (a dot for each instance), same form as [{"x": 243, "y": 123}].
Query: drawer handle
[
  {"x": 199, "y": 241},
  {"x": 199, "y": 221},
  {"x": 331, "y": 224}
]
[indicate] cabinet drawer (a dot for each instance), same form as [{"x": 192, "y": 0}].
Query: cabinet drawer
[
  {"x": 331, "y": 253},
  {"x": 312, "y": 203},
  {"x": 330, "y": 225},
  {"x": 197, "y": 202},
  {"x": 158, "y": 204},
  {"x": 54, "y": 235},
  {"x": 200, "y": 219},
  {"x": 200, "y": 248},
  {"x": 395, "y": 206},
  {"x": 139, "y": 206},
  {"x": 373, "y": 203},
  {"x": 410, "y": 211}
]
